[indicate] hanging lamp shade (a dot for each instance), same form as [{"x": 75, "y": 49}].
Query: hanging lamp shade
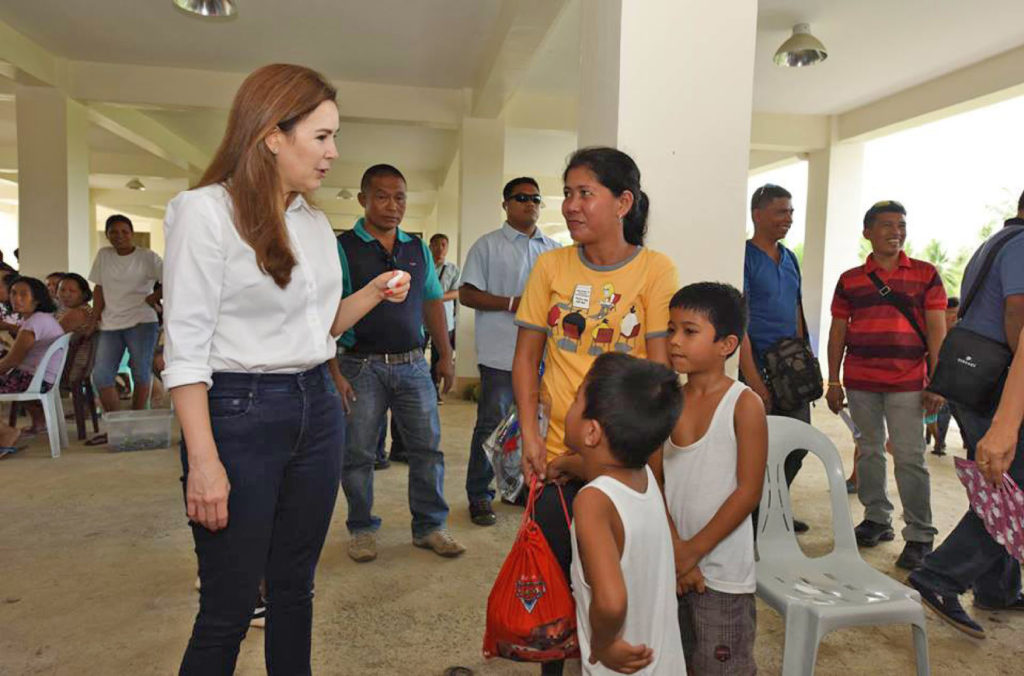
[
  {"x": 208, "y": 8},
  {"x": 135, "y": 184},
  {"x": 801, "y": 49}
]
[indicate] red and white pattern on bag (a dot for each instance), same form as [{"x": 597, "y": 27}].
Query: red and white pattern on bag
[{"x": 1001, "y": 507}]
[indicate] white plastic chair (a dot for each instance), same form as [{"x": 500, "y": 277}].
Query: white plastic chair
[
  {"x": 50, "y": 400},
  {"x": 816, "y": 596}
]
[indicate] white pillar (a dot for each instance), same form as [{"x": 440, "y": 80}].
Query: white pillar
[
  {"x": 660, "y": 82},
  {"x": 834, "y": 223},
  {"x": 53, "y": 182},
  {"x": 481, "y": 172}
]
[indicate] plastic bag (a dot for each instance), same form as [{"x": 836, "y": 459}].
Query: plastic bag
[
  {"x": 531, "y": 615},
  {"x": 504, "y": 449}
]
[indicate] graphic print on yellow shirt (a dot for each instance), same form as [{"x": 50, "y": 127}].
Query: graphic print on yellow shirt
[{"x": 587, "y": 310}]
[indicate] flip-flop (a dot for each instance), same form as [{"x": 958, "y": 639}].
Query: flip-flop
[
  {"x": 98, "y": 440},
  {"x": 7, "y": 450}
]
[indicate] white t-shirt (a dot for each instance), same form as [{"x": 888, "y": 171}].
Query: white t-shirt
[
  {"x": 698, "y": 479},
  {"x": 649, "y": 569},
  {"x": 126, "y": 281}
]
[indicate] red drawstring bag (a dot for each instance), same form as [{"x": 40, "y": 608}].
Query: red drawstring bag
[{"x": 531, "y": 615}]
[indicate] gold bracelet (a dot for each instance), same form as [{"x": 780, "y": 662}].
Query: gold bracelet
[{"x": 834, "y": 382}]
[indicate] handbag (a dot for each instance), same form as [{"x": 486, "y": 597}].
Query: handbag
[
  {"x": 972, "y": 368},
  {"x": 792, "y": 372},
  {"x": 531, "y": 614}
]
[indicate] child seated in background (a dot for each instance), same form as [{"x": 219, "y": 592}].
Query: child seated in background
[
  {"x": 712, "y": 469},
  {"x": 623, "y": 575}
]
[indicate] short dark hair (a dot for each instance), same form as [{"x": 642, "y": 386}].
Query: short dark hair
[
  {"x": 618, "y": 172},
  {"x": 953, "y": 302},
  {"x": 722, "y": 304},
  {"x": 40, "y": 294},
  {"x": 83, "y": 285},
  {"x": 883, "y": 207},
  {"x": 59, "y": 275},
  {"x": 506, "y": 192},
  {"x": 376, "y": 171},
  {"x": 118, "y": 218},
  {"x": 438, "y": 235},
  {"x": 636, "y": 402},
  {"x": 1020, "y": 203},
  {"x": 764, "y": 195}
]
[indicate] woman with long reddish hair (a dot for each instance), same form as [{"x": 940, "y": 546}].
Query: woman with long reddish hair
[{"x": 252, "y": 293}]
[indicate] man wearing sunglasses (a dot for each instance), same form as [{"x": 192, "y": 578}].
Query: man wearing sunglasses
[
  {"x": 382, "y": 367},
  {"x": 771, "y": 286},
  {"x": 493, "y": 278}
]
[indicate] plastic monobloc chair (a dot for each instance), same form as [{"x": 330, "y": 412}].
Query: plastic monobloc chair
[
  {"x": 50, "y": 400},
  {"x": 816, "y": 596}
]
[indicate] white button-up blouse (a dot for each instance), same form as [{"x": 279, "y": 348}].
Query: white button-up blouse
[{"x": 221, "y": 313}]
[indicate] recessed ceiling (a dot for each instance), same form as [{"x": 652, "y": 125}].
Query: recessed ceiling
[
  {"x": 431, "y": 44},
  {"x": 876, "y": 48}
]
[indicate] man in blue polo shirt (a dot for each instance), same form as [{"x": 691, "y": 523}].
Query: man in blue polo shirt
[
  {"x": 497, "y": 267},
  {"x": 970, "y": 558},
  {"x": 771, "y": 285},
  {"x": 381, "y": 360}
]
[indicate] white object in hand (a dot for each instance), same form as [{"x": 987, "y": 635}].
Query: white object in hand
[{"x": 397, "y": 277}]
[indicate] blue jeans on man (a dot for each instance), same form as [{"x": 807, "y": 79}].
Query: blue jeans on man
[
  {"x": 407, "y": 390},
  {"x": 496, "y": 398},
  {"x": 970, "y": 558}
]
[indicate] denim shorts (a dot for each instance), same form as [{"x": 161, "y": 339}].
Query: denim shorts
[{"x": 139, "y": 340}]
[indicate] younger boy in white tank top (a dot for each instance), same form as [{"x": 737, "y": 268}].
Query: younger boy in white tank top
[
  {"x": 712, "y": 469},
  {"x": 623, "y": 573}
]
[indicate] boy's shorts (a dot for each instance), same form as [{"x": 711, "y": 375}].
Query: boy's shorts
[{"x": 718, "y": 631}]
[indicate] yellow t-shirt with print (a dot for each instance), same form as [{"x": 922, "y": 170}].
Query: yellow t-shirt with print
[{"x": 587, "y": 310}]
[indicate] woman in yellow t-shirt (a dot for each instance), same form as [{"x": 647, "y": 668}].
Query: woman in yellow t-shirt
[{"x": 607, "y": 293}]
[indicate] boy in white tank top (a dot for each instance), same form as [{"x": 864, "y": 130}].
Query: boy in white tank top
[
  {"x": 623, "y": 573},
  {"x": 712, "y": 470}
]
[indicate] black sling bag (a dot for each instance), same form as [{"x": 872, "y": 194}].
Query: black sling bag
[{"x": 972, "y": 368}]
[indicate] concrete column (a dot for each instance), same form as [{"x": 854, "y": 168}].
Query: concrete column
[
  {"x": 481, "y": 173},
  {"x": 53, "y": 182},
  {"x": 658, "y": 82},
  {"x": 834, "y": 224}
]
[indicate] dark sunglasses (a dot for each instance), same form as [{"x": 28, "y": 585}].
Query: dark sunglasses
[{"x": 523, "y": 198}]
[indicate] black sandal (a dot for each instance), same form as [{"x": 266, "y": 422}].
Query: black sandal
[{"x": 98, "y": 440}]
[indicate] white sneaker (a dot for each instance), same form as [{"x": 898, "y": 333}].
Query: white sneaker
[{"x": 363, "y": 547}]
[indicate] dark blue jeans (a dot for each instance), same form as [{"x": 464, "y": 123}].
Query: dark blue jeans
[
  {"x": 969, "y": 557},
  {"x": 407, "y": 390},
  {"x": 496, "y": 398},
  {"x": 279, "y": 438}
]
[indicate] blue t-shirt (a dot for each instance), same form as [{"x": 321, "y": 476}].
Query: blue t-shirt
[
  {"x": 1006, "y": 278},
  {"x": 772, "y": 292}
]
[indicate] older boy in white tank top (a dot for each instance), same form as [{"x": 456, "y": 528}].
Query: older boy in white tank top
[
  {"x": 712, "y": 468},
  {"x": 623, "y": 573}
]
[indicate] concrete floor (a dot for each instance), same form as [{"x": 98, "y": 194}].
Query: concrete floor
[{"x": 98, "y": 571}]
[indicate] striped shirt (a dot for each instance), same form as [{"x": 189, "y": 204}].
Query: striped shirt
[{"x": 883, "y": 352}]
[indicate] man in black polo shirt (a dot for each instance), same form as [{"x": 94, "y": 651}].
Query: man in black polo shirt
[{"x": 382, "y": 366}]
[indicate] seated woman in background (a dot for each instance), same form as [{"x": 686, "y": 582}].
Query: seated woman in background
[
  {"x": 75, "y": 314},
  {"x": 32, "y": 301},
  {"x": 9, "y": 319}
]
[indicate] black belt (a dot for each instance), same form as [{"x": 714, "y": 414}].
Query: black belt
[{"x": 387, "y": 357}]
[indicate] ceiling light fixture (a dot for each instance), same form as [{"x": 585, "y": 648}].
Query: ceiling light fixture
[
  {"x": 207, "y": 8},
  {"x": 801, "y": 49},
  {"x": 135, "y": 184},
  {"x": 344, "y": 194}
]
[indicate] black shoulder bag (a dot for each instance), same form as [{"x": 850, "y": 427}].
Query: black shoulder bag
[
  {"x": 792, "y": 372},
  {"x": 901, "y": 302},
  {"x": 972, "y": 368}
]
